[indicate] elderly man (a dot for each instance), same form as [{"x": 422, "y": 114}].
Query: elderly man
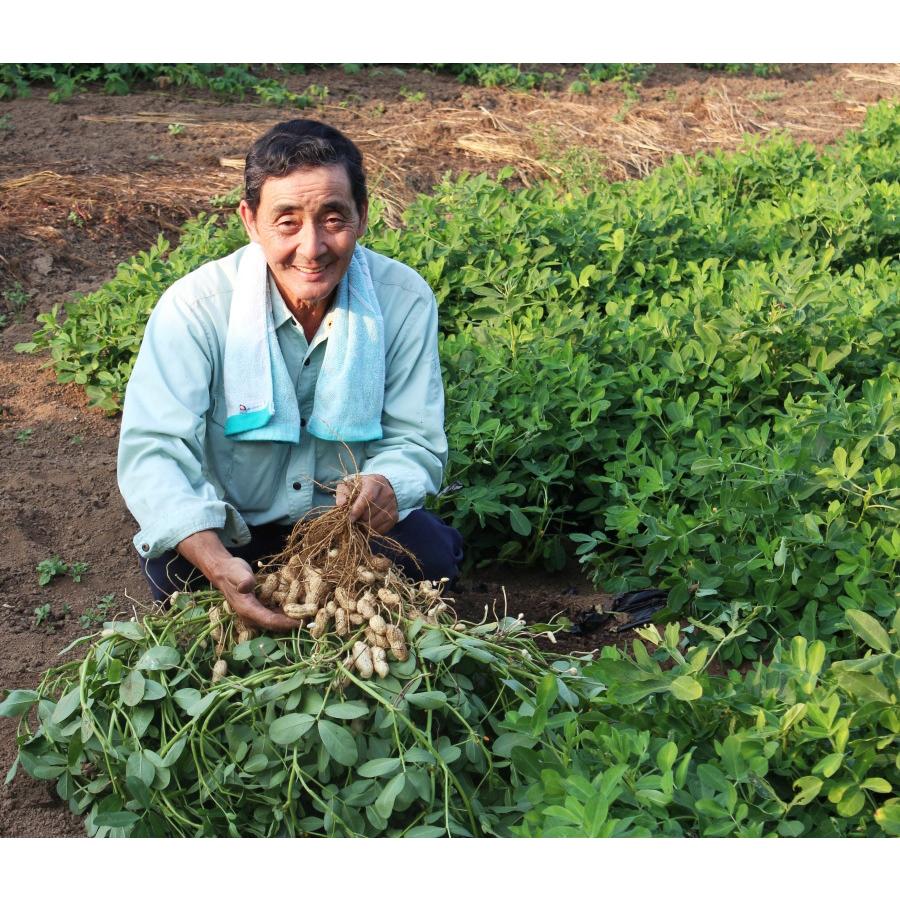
[{"x": 266, "y": 377}]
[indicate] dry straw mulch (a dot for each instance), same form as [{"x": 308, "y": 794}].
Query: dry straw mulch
[{"x": 625, "y": 134}]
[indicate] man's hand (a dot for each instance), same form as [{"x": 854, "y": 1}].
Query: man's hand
[
  {"x": 376, "y": 503},
  {"x": 236, "y": 581},
  {"x": 234, "y": 578}
]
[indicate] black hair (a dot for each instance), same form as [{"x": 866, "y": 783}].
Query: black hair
[{"x": 299, "y": 144}]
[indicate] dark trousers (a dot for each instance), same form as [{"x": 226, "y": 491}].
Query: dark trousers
[{"x": 436, "y": 546}]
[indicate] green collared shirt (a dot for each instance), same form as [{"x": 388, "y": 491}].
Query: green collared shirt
[{"x": 180, "y": 474}]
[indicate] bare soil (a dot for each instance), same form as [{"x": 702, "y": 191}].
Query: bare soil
[{"x": 86, "y": 184}]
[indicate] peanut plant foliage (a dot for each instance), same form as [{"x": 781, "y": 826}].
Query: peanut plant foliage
[{"x": 689, "y": 381}]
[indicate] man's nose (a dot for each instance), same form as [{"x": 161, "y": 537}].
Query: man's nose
[{"x": 309, "y": 241}]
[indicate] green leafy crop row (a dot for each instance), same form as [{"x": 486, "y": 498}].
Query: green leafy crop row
[
  {"x": 478, "y": 733},
  {"x": 238, "y": 81},
  {"x": 762, "y": 70},
  {"x": 230, "y": 81},
  {"x": 689, "y": 380},
  {"x": 531, "y": 77}
]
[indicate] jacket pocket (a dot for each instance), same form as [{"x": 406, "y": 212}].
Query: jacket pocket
[{"x": 249, "y": 474}]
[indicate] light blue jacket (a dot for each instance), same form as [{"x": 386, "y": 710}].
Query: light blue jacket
[{"x": 180, "y": 474}]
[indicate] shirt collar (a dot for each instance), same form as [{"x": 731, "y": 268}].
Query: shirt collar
[{"x": 280, "y": 312}]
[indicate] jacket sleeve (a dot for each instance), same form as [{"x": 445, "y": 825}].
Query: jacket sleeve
[
  {"x": 412, "y": 452},
  {"x": 160, "y": 469}
]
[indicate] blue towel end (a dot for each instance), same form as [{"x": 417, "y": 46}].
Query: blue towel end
[
  {"x": 246, "y": 421},
  {"x": 350, "y": 435}
]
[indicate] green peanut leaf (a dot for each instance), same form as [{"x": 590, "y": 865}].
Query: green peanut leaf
[
  {"x": 17, "y": 703},
  {"x": 869, "y": 629},
  {"x": 384, "y": 804},
  {"x": 376, "y": 768},
  {"x": 338, "y": 742},
  {"x": 427, "y": 699},
  {"x": 140, "y": 766},
  {"x": 289, "y": 729},
  {"x": 879, "y": 785},
  {"x": 353, "y": 709},
  {"x": 131, "y": 688},
  {"x": 505, "y": 744},
  {"x": 67, "y": 704},
  {"x": 159, "y": 658},
  {"x": 686, "y": 688}
]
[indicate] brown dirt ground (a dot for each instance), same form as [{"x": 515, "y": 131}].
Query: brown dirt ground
[{"x": 87, "y": 183}]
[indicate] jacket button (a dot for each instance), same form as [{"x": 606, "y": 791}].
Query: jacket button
[
  {"x": 296, "y": 485},
  {"x": 306, "y": 362},
  {"x": 303, "y": 423},
  {"x": 145, "y": 547}
]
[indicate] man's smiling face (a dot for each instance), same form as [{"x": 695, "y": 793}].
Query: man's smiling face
[{"x": 307, "y": 225}]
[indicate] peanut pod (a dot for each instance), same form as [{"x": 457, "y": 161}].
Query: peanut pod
[
  {"x": 268, "y": 587},
  {"x": 315, "y": 585},
  {"x": 388, "y": 598},
  {"x": 365, "y": 607},
  {"x": 376, "y": 640},
  {"x": 428, "y": 591},
  {"x": 380, "y": 663},
  {"x": 342, "y": 598},
  {"x": 215, "y": 616},
  {"x": 397, "y": 643},
  {"x": 299, "y": 610},
  {"x": 362, "y": 658},
  {"x": 220, "y": 670},
  {"x": 317, "y": 629}
]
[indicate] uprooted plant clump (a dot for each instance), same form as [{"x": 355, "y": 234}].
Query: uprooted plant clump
[
  {"x": 293, "y": 740},
  {"x": 330, "y": 579},
  {"x": 292, "y": 735}
]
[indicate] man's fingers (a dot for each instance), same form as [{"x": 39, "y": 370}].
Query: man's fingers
[
  {"x": 364, "y": 504},
  {"x": 254, "y": 613},
  {"x": 375, "y": 504},
  {"x": 246, "y": 584},
  {"x": 276, "y": 621}
]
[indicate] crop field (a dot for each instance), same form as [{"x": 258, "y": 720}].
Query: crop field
[{"x": 669, "y": 302}]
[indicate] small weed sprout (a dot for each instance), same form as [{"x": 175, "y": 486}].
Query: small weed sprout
[
  {"x": 48, "y": 569},
  {"x": 16, "y": 299},
  {"x": 412, "y": 96},
  {"x": 96, "y": 615}
]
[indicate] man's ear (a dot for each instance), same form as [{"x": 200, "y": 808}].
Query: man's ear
[
  {"x": 249, "y": 220},
  {"x": 363, "y": 220}
]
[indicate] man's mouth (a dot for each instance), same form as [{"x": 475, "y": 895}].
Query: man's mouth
[{"x": 309, "y": 270}]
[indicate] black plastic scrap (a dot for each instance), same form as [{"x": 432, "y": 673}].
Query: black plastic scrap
[{"x": 638, "y": 605}]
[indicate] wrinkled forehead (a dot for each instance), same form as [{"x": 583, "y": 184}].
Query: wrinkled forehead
[{"x": 308, "y": 188}]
